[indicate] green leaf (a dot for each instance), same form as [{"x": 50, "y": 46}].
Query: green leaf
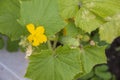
[
  {"x": 92, "y": 55},
  {"x": 104, "y": 8},
  {"x": 72, "y": 30},
  {"x": 95, "y": 78},
  {"x": 9, "y": 13},
  {"x": 71, "y": 42},
  {"x": 87, "y": 76},
  {"x": 101, "y": 68},
  {"x": 42, "y": 13},
  {"x": 86, "y": 38},
  {"x": 87, "y": 20},
  {"x": 68, "y": 8},
  {"x": 40, "y": 48},
  {"x": 99, "y": 72},
  {"x": 102, "y": 72},
  {"x": 89, "y": 14},
  {"x": 12, "y": 46},
  {"x": 63, "y": 64},
  {"x": 110, "y": 30}
]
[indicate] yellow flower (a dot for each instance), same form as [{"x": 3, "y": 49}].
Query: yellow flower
[{"x": 36, "y": 36}]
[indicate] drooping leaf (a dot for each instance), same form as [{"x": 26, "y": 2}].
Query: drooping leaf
[
  {"x": 87, "y": 21},
  {"x": 110, "y": 30},
  {"x": 104, "y": 8},
  {"x": 89, "y": 14},
  {"x": 62, "y": 65},
  {"x": 9, "y": 13},
  {"x": 42, "y": 13},
  {"x": 94, "y": 13},
  {"x": 92, "y": 55}
]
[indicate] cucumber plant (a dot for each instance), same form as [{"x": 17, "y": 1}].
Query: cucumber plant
[{"x": 62, "y": 39}]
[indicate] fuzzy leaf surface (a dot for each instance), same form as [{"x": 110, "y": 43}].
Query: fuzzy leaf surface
[
  {"x": 92, "y": 55},
  {"x": 42, "y": 13},
  {"x": 64, "y": 65}
]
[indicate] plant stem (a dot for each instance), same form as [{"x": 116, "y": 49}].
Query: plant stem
[
  {"x": 49, "y": 45},
  {"x": 55, "y": 42}
]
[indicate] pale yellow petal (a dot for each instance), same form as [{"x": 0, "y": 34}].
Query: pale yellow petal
[
  {"x": 31, "y": 28},
  {"x": 40, "y": 29}
]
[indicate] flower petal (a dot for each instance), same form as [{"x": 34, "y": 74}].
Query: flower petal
[
  {"x": 40, "y": 29},
  {"x": 30, "y": 38},
  {"x": 35, "y": 42},
  {"x": 31, "y": 28},
  {"x": 42, "y": 38},
  {"x": 37, "y": 35}
]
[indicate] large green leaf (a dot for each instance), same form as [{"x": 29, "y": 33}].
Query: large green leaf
[
  {"x": 62, "y": 65},
  {"x": 89, "y": 14},
  {"x": 92, "y": 55},
  {"x": 109, "y": 31},
  {"x": 9, "y": 13},
  {"x": 103, "y": 8},
  {"x": 68, "y": 8},
  {"x": 87, "y": 20},
  {"x": 42, "y": 12},
  {"x": 93, "y": 13}
]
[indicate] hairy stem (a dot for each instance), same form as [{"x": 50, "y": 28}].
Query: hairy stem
[
  {"x": 49, "y": 45},
  {"x": 55, "y": 42}
]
